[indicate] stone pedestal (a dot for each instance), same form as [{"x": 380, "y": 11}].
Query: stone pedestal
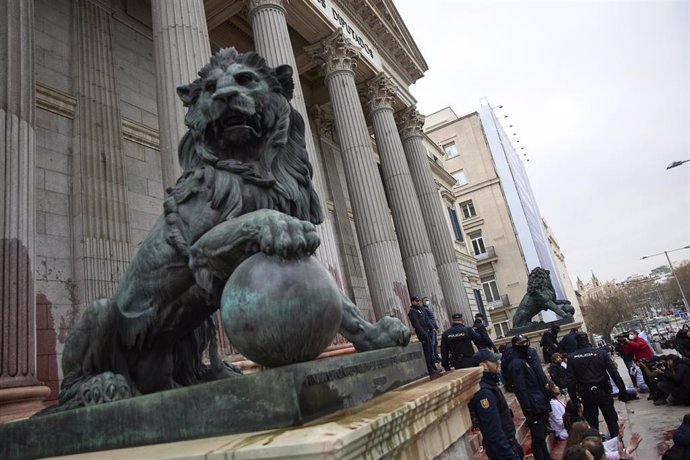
[
  {"x": 20, "y": 392},
  {"x": 425, "y": 420},
  {"x": 276, "y": 398}
]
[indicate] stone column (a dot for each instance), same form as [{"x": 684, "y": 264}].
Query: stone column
[
  {"x": 182, "y": 47},
  {"x": 20, "y": 392},
  {"x": 100, "y": 217},
  {"x": 380, "y": 251},
  {"x": 410, "y": 123},
  {"x": 420, "y": 268},
  {"x": 272, "y": 41}
]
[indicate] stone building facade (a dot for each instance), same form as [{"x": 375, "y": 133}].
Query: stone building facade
[
  {"x": 92, "y": 122},
  {"x": 499, "y": 214}
]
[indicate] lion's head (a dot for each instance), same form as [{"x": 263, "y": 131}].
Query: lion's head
[
  {"x": 239, "y": 116},
  {"x": 539, "y": 280}
]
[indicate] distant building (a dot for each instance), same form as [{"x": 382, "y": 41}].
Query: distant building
[{"x": 500, "y": 216}]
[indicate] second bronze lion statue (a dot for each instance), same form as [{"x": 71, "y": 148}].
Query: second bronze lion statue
[
  {"x": 540, "y": 296},
  {"x": 246, "y": 187}
]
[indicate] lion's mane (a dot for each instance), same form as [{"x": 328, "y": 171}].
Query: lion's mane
[
  {"x": 282, "y": 180},
  {"x": 539, "y": 281}
]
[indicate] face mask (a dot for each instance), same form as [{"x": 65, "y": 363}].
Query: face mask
[
  {"x": 630, "y": 336},
  {"x": 426, "y": 303}
]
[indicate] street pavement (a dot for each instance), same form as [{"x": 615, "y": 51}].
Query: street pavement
[{"x": 655, "y": 424}]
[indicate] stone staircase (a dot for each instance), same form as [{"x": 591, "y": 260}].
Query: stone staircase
[{"x": 522, "y": 434}]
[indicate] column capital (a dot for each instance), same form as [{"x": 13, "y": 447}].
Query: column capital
[
  {"x": 253, "y": 6},
  {"x": 324, "y": 121},
  {"x": 410, "y": 122},
  {"x": 380, "y": 93},
  {"x": 335, "y": 53}
]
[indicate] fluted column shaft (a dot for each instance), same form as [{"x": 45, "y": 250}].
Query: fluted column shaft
[
  {"x": 182, "y": 47},
  {"x": 17, "y": 152},
  {"x": 380, "y": 251},
  {"x": 99, "y": 193},
  {"x": 272, "y": 41},
  {"x": 420, "y": 268},
  {"x": 450, "y": 276}
]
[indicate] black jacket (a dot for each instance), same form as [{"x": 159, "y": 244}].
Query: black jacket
[
  {"x": 549, "y": 345},
  {"x": 491, "y": 414},
  {"x": 485, "y": 340},
  {"x": 420, "y": 323},
  {"x": 456, "y": 346},
  {"x": 683, "y": 343},
  {"x": 588, "y": 367},
  {"x": 569, "y": 343},
  {"x": 431, "y": 318},
  {"x": 558, "y": 375},
  {"x": 682, "y": 438},
  {"x": 529, "y": 384}
]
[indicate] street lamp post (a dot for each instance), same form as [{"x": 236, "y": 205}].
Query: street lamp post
[{"x": 673, "y": 272}]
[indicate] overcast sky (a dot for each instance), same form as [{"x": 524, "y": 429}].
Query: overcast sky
[{"x": 599, "y": 95}]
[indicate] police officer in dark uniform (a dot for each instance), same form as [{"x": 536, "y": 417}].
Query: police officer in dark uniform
[
  {"x": 529, "y": 385},
  {"x": 456, "y": 345},
  {"x": 490, "y": 411},
  {"x": 588, "y": 381},
  {"x": 480, "y": 329},
  {"x": 420, "y": 324}
]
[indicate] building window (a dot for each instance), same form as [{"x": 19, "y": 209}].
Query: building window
[
  {"x": 468, "y": 209},
  {"x": 455, "y": 223},
  {"x": 502, "y": 329},
  {"x": 491, "y": 291},
  {"x": 459, "y": 177},
  {"x": 451, "y": 149},
  {"x": 477, "y": 243}
]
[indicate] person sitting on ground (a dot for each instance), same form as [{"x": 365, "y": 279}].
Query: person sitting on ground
[
  {"x": 681, "y": 442},
  {"x": 595, "y": 447},
  {"x": 576, "y": 433},
  {"x": 574, "y": 412},
  {"x": 558, "y": 373},
  {"x": 682, "y": 342},
  {"x": 577, "y": 452},
  {"x": 677, "y": 381},
  {"x": 557, "y": 412},
  {"x": 638, "y": 377}
]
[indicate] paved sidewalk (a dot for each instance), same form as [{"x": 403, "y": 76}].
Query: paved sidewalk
[{"x": 656, "y": 424}]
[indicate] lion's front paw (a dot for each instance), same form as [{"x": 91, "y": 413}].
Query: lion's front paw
[
  {"x": 103, "y": 388},
  {"x": 387, "y": 332},
  {"x": 287, "y": 236}
]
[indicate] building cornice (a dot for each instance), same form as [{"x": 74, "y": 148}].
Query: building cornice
[{"x": 389, "y": 34}]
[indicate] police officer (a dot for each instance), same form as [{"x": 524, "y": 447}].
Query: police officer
[
  {"x": 480, "y": 329},
  {"x": 549, "y": 343},
  {"x": 456, "y": 345},
  {"x": 588, "y": 381},
  {"x": 420, "y": 324},
  {"x": 529, "y": 385},
  {"x": 490, "y": 411}
]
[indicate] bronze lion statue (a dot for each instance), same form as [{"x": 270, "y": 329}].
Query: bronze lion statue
[
  {"x": 540, "y": 296},
  {"x": 246, "y": 188}
]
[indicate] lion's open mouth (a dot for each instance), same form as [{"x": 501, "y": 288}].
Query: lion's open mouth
[{"x": 232, "y": 124}]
